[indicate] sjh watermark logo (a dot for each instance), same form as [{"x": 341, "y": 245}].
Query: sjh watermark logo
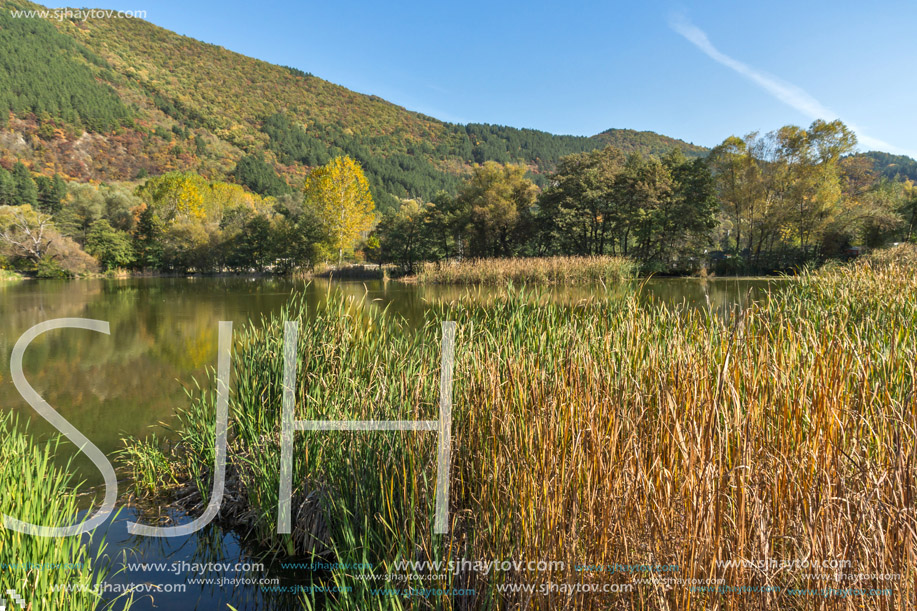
[{"x": 288, "y": 425}]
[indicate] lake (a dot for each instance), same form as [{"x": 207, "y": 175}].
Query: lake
[{"x": 164, "y": 337}]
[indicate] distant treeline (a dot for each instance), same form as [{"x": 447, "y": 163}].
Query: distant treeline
[{"x": 756, "y": 204}]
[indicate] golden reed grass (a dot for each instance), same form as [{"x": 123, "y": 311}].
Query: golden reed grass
[
  {"x": 608, "y": 432},
  {"x": 533, "y": 270}
]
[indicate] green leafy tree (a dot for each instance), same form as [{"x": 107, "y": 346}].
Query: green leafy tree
[
  {"x": 498, "y": 204},
  {"x": 253, "y": 247},
  {"x": 51, "y": 193},
  {"x": 110, "y": 246},
  {"x": 405, "y": 237},
  {"x": 578, "y": 213},
  {"x": 299, "y": 232},
  {"x": 148, "y": 235},
  {"x": 83, "y": 206},
  {"x": 447, "y": 224}
]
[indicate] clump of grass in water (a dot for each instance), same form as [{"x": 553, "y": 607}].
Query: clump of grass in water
[
  {"x": 601, "y": 433},
  {"x": 531, "y": 270},
  {"x": 35, "y": 490}
]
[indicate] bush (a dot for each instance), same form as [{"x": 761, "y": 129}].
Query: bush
[
  {"x": 48, "y": 267},
  {"x": 68, "y": 255}
]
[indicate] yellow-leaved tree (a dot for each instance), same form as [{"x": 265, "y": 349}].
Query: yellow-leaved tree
[{"x": 339, "y": 194}]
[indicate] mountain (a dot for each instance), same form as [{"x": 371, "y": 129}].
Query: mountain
[
  {"x": 647, "y": 143},
  {"x": 121, "y": 99}
]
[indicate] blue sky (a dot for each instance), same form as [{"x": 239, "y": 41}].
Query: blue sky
[{"x": 700, "y": 71}]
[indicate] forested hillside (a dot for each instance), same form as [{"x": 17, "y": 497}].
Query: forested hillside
[
  {"x": 122, "y": 99},
  {"x": 893, "y": 166}
]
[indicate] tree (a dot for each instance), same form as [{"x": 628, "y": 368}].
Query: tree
[
  {"x": 578, "y": 211},
  {"x": 340, "y": 195},
  {"x": 692, "y": 216},
  {"x": 175, "y": 194},
  {"x": 812, "y": 159},
  {"x": 497, "y": 201},
  {"x": 446, "y": 224},
  {"x": 738, "y": 183},
  {"x": 788, "y": 196},
  {"x": 26, "y": 191},
  {"x": 111, "y": 247},
  {"x": 7, "y": 188},
  {"x": 51, "y": 193},
  {"x": 909, "y": 209},
  {"x": 299, "y": 232},
  {"x": 256, "y": 174},
  {"x": 405, "y": 238},
  {"x": 148, "y": 238},
  {"x": 83, "y": 206},
  {"x": 25, "y": 232},
  {"x": 253, "y": 247}
]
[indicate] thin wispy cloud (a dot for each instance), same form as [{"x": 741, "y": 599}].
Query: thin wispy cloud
[{"x": 789, "y": 94}]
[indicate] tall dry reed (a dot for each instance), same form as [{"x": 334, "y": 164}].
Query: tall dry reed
[{"x": 735, "y": 448}]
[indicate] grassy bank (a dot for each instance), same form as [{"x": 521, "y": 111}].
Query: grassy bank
[
  {"x": 534, "y": 270},
  {"x": 35, "y": 490},
  {"x": 608, "y": 432},
  {"x": 8, "y": 276}
]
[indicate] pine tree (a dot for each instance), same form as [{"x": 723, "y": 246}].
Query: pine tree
[
  {"x": 26, "y": 191},
  {"x": 7, "y": 188},
  {"x": 51, "y": 192}
]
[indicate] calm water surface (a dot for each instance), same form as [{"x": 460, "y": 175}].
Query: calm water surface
[{"x": 163, "y": 337}]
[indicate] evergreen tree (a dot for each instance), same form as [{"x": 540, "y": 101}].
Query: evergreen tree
[
  {"x": 7, "y": 188},
  {"x": 255, "y": 173},
  {"x": 46, "y": 72},
  {"x": 51, "y": 193},
  {"x": 148, "y": 239},
  {"x": 26, "y": 190}
]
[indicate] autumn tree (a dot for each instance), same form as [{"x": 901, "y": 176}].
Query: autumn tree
[
  {"x": 339, "y": 194},
  {"x": 790, "y": 192},
  {"x": 909, "y": 209},
  {"x": 498, "y": 201},
  {"x": 193, "y": 223},
  {"x": 739, "y": 186},
  {"x": 26, "y": 232}
]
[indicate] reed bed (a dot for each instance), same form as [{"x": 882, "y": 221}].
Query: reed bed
[
  {"x": 35, "y": 490},
  {"x": 734, "y": 448},
  {"x": 532, "y": 270}
]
